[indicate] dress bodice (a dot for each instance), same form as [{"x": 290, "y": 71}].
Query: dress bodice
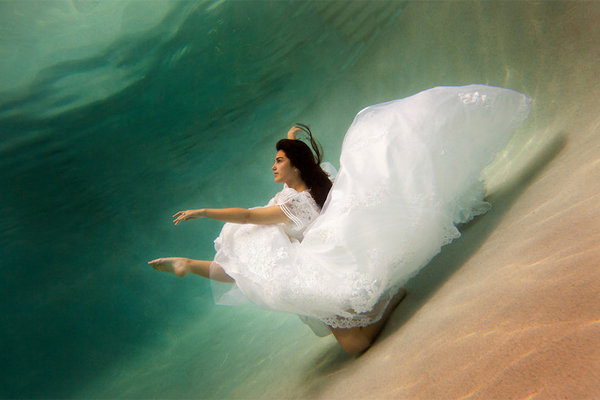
[{"x": 299, "y": 207}]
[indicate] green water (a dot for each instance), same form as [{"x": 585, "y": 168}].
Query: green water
[{"x": 114, "y": 115}]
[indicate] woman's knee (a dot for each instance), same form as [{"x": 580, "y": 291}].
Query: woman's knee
[
  {"x": 217, "y": 273},
  {"x": 353, "y": 341}
]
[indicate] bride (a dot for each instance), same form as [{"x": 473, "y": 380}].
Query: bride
[{"x": 338, "y": 255}]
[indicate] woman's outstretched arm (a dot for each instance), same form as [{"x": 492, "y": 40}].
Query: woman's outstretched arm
[{"x": 258, "y": 216}]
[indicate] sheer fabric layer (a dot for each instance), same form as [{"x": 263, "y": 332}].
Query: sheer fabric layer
[{"x": 409, "y": 173}]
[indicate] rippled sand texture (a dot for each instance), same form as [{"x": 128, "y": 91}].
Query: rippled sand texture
[{"x": 511, "y": 310}]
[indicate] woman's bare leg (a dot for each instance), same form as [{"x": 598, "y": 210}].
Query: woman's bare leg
[
  {"x": 182, "y": 266},
  {"x": 357, "y": 340}
]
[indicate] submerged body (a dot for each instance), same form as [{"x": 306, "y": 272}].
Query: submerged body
[{"x": 409, "y": 173}]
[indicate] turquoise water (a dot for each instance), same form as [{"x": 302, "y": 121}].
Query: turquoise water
[{"x": 116, "y": 114}]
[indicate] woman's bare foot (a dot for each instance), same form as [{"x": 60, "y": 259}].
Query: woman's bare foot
[{"x": 174, "y": 265}]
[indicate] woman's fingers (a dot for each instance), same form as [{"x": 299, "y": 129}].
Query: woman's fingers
[
  {"x": 185, "y": 215},
  {"x": 292, "y": 132},
  {"x": 181, "y": 215}
]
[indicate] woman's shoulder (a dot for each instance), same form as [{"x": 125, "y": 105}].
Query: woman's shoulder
[
  {"x": 288, "y": 194},
  {"x": 300, "y": 207}
]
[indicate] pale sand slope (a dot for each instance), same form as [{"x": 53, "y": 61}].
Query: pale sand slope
[{"x": 512, "y": 309}]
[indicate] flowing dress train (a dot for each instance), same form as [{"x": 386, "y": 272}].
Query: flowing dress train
[{"x": 409, "y": 173}]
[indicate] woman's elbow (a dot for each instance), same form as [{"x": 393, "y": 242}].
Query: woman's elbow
[{"x": 247, "y": 217}]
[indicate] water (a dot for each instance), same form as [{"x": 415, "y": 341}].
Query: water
[{"x": 116, "y": 114}]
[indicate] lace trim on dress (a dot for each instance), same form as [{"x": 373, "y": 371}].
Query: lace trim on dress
[{"x": 362, "y": 319}]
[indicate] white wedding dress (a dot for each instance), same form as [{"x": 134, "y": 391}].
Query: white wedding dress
[{"x": 409, "y": 172}]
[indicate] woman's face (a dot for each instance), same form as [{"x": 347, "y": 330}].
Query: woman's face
[{"x": 283, "y": 171}]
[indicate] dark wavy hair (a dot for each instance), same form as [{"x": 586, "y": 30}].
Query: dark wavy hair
[{"x": 308, "y": 164}]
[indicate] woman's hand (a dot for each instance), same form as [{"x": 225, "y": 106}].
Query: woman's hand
[
  {"x": 188, "y": 214},
  {"x": 292, "y": 132}
]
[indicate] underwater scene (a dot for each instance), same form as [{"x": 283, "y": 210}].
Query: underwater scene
[{"x": 114, "y": 115}]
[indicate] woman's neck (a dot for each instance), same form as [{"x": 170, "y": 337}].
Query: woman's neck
[{"x": 297, "y": 185}]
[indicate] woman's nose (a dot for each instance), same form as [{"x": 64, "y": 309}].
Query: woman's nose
[{"x": 273, "y": 167}]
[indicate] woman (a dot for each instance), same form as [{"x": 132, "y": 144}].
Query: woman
[
  {"x": 306, "y": 186},
  {"x": 409, "y": 173}
]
